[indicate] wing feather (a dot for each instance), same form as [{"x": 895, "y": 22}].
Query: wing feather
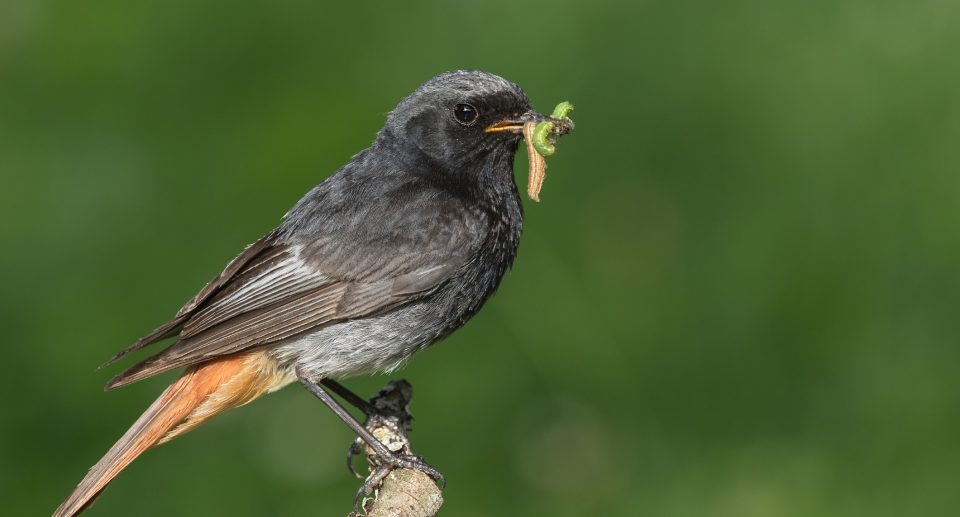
[
  {"x": 284, "y": 278},
  {"x": 287, "y": 284},
  {"x": 251, "y": 316}
]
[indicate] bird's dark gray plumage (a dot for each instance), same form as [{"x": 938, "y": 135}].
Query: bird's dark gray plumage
[
  {"x": 395, "y": 250},
  {"x": 428, "y": 215}
]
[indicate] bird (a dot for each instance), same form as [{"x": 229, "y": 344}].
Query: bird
[{"x": 391, "y": 253}]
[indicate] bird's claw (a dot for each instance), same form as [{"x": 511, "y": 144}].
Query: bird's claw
[
  {"x": 414, "y": 462},
  {"x": 355, "y": 448},
  {"x": 386, "y": 464}
]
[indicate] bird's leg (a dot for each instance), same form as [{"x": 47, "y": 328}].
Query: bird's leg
[
  {"x": 385, "y": 459},
  {"x": 352, "y": 398},
  {"x": 356, "y": 446}
]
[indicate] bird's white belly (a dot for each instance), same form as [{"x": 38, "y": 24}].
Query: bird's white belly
[{"x": 373, "y": 344}]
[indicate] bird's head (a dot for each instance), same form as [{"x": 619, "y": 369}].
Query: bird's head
[{"x": 457, "y": 120}]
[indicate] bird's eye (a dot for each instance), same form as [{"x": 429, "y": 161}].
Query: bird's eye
[{"x": 465, "y": 114}]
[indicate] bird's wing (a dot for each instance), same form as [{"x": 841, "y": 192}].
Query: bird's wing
[{"x": 280, "y": 290}]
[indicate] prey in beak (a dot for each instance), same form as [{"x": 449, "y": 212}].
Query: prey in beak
[{"x": 540, "y": 133}]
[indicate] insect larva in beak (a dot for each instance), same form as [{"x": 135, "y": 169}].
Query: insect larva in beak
[{"x": 538, "y": 164}]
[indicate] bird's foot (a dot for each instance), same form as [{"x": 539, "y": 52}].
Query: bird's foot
[
  {"x": 381, "y": 466},
  {"x": 384, "y": 441}
]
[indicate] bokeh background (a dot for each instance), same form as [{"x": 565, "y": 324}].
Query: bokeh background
[{"x": 739, "y": 296}]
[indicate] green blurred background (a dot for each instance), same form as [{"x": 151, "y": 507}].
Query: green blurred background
[{"x": 739, "y": 296}]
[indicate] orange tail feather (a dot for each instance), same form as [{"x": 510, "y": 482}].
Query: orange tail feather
[{"x": 200, "y": 393}]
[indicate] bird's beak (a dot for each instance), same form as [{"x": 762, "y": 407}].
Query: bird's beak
[{"x": 515, "y": 125}]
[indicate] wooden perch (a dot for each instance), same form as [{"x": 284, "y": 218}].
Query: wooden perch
[{"x": 401, "y": 492}]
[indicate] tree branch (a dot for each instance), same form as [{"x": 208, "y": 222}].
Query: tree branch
[{"x": 401, "y": 492}]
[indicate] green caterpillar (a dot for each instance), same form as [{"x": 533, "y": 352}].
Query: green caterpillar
[{"x": 561, "y": 124}]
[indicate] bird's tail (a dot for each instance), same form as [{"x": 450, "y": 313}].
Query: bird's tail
[{"x": 200, "y": 393}]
